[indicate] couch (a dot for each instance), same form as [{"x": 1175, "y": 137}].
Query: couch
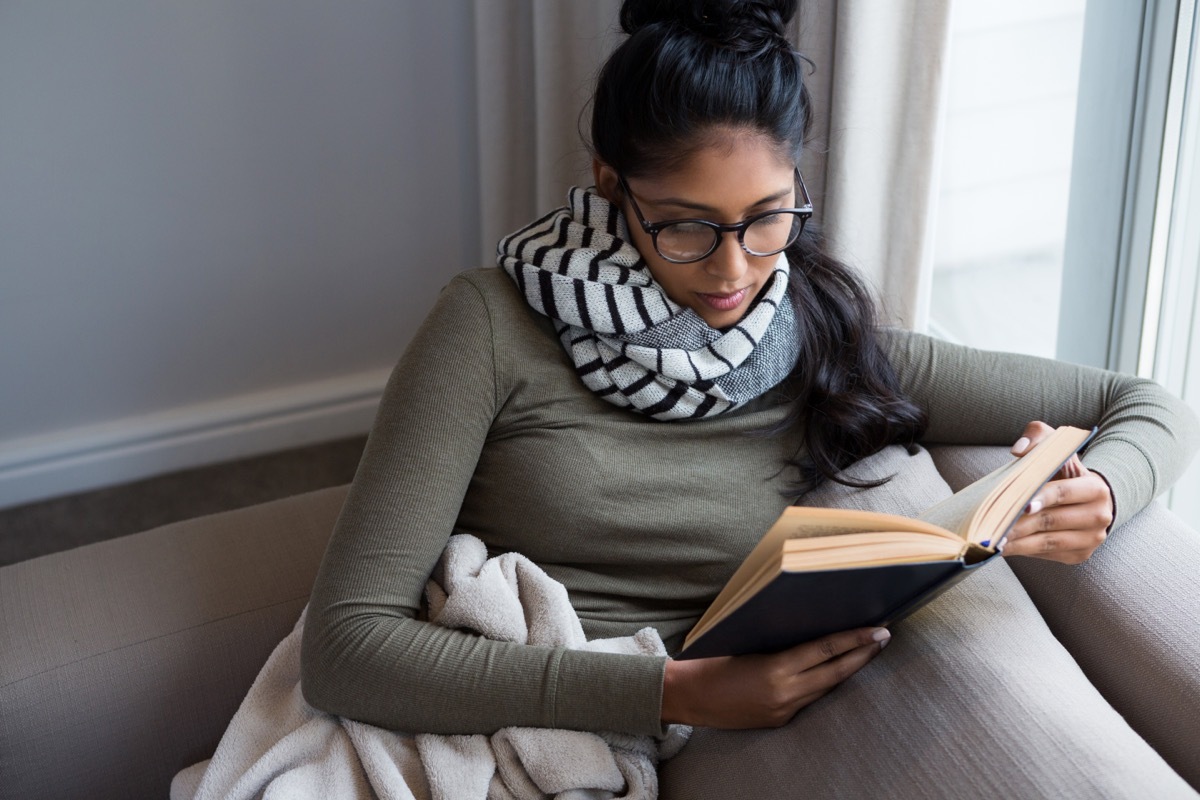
[{"x": 122, "y": 662}]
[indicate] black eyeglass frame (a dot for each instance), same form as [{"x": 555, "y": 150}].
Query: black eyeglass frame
[{"x": 653, "y": 228}]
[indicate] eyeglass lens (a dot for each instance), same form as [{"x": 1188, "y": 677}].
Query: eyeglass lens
[{"x": 690, "y": 241}]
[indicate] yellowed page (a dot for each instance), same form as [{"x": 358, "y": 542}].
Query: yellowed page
[
  {"x": 955, "y": 512},
  {"x": 867, "y": 551},
  {"x": 880, "y": 540},
  {"x": 1004, "y": 505}
]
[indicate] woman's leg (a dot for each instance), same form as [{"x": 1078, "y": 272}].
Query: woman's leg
[{"x": 974, "y": 697}]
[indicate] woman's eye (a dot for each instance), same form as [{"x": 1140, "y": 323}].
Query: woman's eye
[
  {"x": 770, "y": 219},
  {"x": 687, "y": 229}
]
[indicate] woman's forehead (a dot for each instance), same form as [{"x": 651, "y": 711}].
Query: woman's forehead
[{"x": 733, "y": 172}]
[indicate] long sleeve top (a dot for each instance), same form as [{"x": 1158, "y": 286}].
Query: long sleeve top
[{"x": 485, "y": 428}]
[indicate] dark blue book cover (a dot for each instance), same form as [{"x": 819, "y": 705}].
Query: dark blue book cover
[{"x": 800, "y": 606}]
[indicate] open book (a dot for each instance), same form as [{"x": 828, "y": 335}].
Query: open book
[{"x": 822, "y": 570}]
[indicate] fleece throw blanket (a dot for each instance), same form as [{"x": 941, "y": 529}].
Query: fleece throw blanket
[{"x": 278, "y": 746}]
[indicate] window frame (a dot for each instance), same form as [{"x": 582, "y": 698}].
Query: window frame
[
  {"x": 1131, "y": 293},
  {"x": 1109, "y": 287}
]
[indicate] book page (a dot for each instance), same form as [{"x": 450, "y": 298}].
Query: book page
[
  {"x": 997, "y": 514},
  {"x": 984, "y": 511},
  {"x": 955, "y": 512},
  {"x": 936, "y": 547},
  {"x": 858, "y": 550}
]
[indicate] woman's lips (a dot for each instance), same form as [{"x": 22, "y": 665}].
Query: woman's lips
[{"x": 724, "y": 302}]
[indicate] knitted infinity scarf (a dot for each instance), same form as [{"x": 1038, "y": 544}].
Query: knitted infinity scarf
[{"x": 631, "y": 344}]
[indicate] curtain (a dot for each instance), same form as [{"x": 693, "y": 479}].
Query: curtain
[
  {"x": 878, "y": 88},
  {"x": 536, "y": 63}
]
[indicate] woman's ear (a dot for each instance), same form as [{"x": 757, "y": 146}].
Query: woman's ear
[{"x": 605, "y": 178}]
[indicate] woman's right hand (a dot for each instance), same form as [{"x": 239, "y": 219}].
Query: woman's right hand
[{"x": 764, "y": 691}]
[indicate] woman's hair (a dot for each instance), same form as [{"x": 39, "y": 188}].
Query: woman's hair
[{"x": 689, "y": 72}]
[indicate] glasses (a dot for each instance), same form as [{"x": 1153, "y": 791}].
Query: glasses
[{"x": 682, "y": 241}]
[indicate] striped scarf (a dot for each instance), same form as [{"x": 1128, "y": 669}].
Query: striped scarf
[{"x": 631, "y": 344}]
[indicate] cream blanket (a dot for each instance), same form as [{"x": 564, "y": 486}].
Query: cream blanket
[{"x": 278, "y": 746}]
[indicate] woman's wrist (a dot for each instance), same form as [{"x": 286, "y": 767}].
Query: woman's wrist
[
  {"x": 1112, "y": 499},
  {"x": 670, "y": 711},
  {"x": 678, "y": 705}
]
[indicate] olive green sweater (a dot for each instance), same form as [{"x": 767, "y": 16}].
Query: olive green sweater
[{"x": 484, "y": 428}]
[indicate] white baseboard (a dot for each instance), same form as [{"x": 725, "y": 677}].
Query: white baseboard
[{"x": 122, "y": 450}]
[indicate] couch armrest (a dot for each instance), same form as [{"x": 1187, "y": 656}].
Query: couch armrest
[
  {"x": 1129, "y": 615},
  {"x": 123, "y": 661}
]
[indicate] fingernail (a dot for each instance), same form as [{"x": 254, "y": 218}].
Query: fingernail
[
  {"x": 1020, "y": 445},
  {"x": 881, "y": 635},
  {"x": 1035, "y": 505}
]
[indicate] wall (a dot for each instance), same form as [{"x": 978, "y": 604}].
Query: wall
[{"x": 220, "y": 223}]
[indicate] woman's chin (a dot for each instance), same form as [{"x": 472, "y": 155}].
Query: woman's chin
[{"x": 721, "y": 320}]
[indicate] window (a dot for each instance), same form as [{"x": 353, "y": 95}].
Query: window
[
  {"x": 1006, "y": 174},
  {"x": 1169, "y": 335},
  {"x": 1072, "y": 163}
]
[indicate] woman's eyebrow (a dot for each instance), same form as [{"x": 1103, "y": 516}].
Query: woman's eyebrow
[{"x": 678, "y": 201}]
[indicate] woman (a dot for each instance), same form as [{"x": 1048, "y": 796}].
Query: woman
[{"x": 633, "y": 400}]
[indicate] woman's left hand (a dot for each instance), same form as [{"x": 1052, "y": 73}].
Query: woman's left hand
[{"x": 1069, "y": 517}]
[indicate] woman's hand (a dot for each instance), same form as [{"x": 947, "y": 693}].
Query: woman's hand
[
  {"x": 764, "y": 691},
  {"x": 1069, "y": 517}
]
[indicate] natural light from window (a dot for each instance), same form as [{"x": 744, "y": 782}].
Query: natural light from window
[{"x": 1006, "y": 173}]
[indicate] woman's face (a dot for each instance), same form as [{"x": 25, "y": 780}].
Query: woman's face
[{"x": 740, "y": 175}]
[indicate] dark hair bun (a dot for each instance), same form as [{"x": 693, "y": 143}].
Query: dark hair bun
[
  {"x": 740, "y": 24},
  {"x": 689, "y": 65}
]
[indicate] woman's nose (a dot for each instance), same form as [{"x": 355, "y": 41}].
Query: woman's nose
[{"x": 728, "y": 261}]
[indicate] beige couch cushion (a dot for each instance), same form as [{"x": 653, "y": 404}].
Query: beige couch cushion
[
  {"x": 1130, "y": 615},
  {"x": 123, "y": 661}
]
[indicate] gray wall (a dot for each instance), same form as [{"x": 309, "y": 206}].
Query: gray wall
[{"x": 219, "y": 223}]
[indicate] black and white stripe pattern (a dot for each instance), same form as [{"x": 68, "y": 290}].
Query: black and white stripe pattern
[{"x": 631, "y": 344}]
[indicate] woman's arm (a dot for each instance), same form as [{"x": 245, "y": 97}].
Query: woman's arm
[
  {"x": 1146, "y": 437},
  {"x": 364, "y": 654}
]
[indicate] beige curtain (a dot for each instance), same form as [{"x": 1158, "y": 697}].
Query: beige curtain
[
  {"x": 878, "y": 88},
  {"x": 536, "y": 62}
]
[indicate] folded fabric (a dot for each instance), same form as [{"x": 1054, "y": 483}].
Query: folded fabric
[{"x": 278, "y": 746}]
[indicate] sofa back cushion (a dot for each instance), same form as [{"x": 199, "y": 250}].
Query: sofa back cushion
[{"x": 123, "y": 661}]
